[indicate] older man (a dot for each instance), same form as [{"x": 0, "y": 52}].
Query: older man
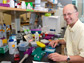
[{"x": 73, "y": 38}]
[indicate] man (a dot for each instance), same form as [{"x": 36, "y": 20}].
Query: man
[{"x": 73, "y": 38}]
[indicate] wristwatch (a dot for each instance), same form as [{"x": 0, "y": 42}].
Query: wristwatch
[{"x": 68, "y": 59}]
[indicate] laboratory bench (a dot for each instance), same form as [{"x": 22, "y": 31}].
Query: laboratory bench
[{"x": 8, "y": 57}]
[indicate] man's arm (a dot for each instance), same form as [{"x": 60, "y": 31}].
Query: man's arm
[
  {"x": 76, "y": 59},
  {"x": 62, "y": 41},
  {"x": 63, "y": 58},
  {"x": 54, "y": 43}
]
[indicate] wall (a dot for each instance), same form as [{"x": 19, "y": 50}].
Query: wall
[
  {"x": 79, "y": 5},
  {"x": 65, "y": 2}
]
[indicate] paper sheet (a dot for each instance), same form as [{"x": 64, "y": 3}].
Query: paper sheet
[{"x": 39, "y": 62}]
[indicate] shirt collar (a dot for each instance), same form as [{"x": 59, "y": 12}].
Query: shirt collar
[{"x": 74, "y": 27}]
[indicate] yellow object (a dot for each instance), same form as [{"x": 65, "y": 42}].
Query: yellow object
[
  {"x": 34, "y": 35},
  {"x": 4, "y": 1},
  {"x": 4, "y": 41},
  {"x": 3, "y": 30},
  {"x": 40, "y": 44},
  {"x": 8, "y": 29}
]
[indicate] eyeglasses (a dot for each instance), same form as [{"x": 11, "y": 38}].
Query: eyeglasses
[{"x": 69, "y": 14}]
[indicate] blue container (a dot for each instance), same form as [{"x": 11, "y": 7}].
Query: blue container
[{"x": 33, "y": 32}]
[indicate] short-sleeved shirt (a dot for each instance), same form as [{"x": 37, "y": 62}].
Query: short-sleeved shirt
[{"x": 74, "y": 38}]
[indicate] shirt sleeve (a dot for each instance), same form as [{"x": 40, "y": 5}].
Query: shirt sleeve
[{"x": 81, "y": 45}]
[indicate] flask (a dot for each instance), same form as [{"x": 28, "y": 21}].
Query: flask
[
  {"x": 16, "y": 55},
  {"x": 36, "y": 37}
]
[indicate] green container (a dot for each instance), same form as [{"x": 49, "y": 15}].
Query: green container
[
  {"x": 30, "y": 10},
  {"x": 4, "y": 49},
  {"x": 30, "y": 4},
  {"x": 47, "y": 14}
]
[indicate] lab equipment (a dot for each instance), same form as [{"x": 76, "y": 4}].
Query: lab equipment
[
  {"x": 28, "y": 37},
  {"x": 1, "y": 44},
  {"x": 26, "y": 54},
  {"x": 4, "y": 49},
  {"x": 23, "y": 5},
  {"x": 49, "y": 49},
  {"x": 33, "y": 44},
  {"x": 51, "y": 22},
  {"x": 33, "y": 31},
  {"x": 38, "y": 53},
  {"x": 16, "y": 55},
  {"x": 11, "y": 46},
  {"x": 46, "y": 42},
  {"x": 36, "y": 37},
  {"x": 23, "y": 46},
  {"x": 41, "y": 44},
  {"x": 35, "y": 51}
]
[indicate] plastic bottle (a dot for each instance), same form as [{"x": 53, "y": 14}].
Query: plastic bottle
[
  {"x": 1, "y": 1},
  {"x": 4, "y": 1},
  {"x": 1, "y": 44},
  {"x": 23, "y": 5},
  {"x": 39, "y": 27},
  {"x": 12, "y": 3},
  {"x": 29, "y": 6},
  {"x": 36, "y": 37},
  {"x": 16, "y": 55},
  {"x": 8, "y": 1},
  {"x": 11, "y": 45},
  {"x": 15, "y": 4}
]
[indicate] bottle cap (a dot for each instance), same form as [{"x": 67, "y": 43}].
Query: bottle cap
[{"x": 11, "y": 40}]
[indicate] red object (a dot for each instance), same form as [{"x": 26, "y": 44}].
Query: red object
[
  {"x": 19, "y": 3},
  {"x": 45, "y": 34},
  {"x": 8, "y": 1},
  {"x": 16, "y": 57}
]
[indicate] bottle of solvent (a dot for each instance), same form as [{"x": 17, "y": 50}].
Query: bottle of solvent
[
  {"x": 36, "y": 36},
  {"x": 11, "y": 45}
]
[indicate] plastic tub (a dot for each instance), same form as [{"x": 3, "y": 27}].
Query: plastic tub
[{"x": 23, "y": 46}]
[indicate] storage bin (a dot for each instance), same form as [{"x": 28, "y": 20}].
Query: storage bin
[
  {"x": 23, "y": 46},
  {"x": 33, "y": 31}
]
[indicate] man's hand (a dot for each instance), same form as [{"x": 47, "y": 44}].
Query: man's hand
[
  {"x": 57, "y": 57},
  {"x": 54, "y": 43}
]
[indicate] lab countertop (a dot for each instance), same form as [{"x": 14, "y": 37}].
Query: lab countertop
[{"x": 8, "y": 57}]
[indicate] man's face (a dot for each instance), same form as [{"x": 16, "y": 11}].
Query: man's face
[{"x": 70, "y": 15}]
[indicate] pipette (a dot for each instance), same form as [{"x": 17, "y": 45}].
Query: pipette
[{"x": 26, "y": 54}]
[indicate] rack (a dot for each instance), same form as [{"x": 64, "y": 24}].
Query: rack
[
  {"x": 3, "y": 9},
  {"x": 15, "y": 14}
]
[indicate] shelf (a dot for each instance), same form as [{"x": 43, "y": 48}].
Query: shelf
[
  {"x": 24, "y": 23},
  {"x": 51, "y": 3},
  {"x": 4, "y": 9}
]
